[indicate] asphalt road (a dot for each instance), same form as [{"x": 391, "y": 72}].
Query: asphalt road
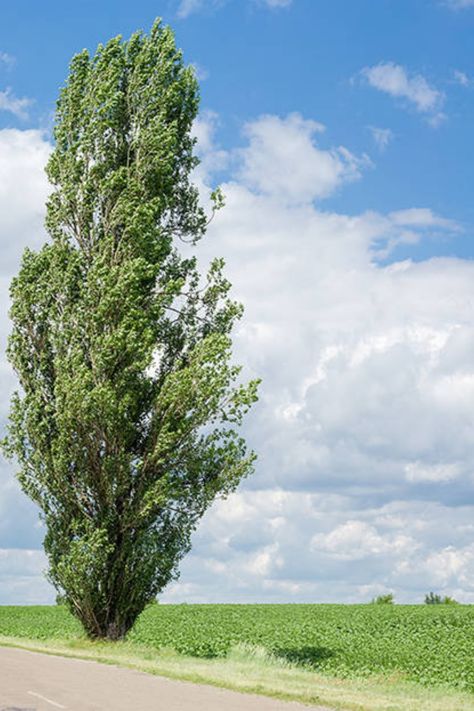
[{"x": 40, "y": 682}]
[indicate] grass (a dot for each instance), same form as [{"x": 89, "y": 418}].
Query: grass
[{"x": 347, "y": 657}]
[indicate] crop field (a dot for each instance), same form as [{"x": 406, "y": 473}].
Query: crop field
[{"x": 431, "y": 644}]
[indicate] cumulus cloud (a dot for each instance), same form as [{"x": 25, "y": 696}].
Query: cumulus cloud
[
  {"x": 420, "y": 471},
  {"x": 280, "y": 147},
  {"x": 22, "y": 577},
  {"x": 421, "y": 217},
  {"x": 364, "y": 428},
  {"x": 213, "y": 158},
  {"x": 23, "y": 191},
  {"x": 354, "y": 540},
  {"x": 395, "y": 80},
  {"x": 300, "y": 546},
  {"x": 365, "y": 425}
]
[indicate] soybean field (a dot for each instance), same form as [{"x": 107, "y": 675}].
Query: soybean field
[{"x": 432, "y": 644}]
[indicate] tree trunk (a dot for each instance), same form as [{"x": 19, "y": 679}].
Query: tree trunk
[
  {"x": 115, "y": 631},
  {"x": 107, "y": 625}
]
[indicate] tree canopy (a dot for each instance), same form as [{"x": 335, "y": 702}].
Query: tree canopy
[{"x": 125, "y": 424}]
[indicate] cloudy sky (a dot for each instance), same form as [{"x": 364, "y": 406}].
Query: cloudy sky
[{"x": 340, "y": 131}]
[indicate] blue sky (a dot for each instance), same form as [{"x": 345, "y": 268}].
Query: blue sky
[
  {"x": 341, "y": 131},
  {"x": 305, "y": 56}
]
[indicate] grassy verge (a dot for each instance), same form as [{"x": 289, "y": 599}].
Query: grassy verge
[{"x": 252, "y": 669}]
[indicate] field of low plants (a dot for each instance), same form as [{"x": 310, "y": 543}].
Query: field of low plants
[{"x": 428, "y": 644}]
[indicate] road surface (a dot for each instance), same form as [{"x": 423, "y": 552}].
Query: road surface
[{"x": 38, "y": 682}]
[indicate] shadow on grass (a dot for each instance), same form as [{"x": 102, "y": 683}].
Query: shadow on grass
[{"x": 306, "y": 656}]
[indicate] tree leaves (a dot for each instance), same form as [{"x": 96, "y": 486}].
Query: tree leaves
[{"x": 123, "y": 426}]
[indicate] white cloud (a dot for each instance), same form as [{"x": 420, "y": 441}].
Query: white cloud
[
  {"x": 462, "y": 78},
  {"x": 365, "y": 425},
  {"x": 368, "y": 386},
  {"x": 382, "y": 137},
  {"x": 23, "y": 192},
  {"x": 13, "y": 104},
  {"x": 297, "y": 546},
  {"x": 279, "y": 147},
  {"x": 189, "y": 7},
  {"x": 264, "y": 561},
  {"x": 201, "y": 72},
  {"x": 459, "y": 4},
  {"x": 393, "y": 79},
  {"x": 419, "y": 472},
  {"x": 437, "y": 119},
  {"x": 7, "y": 59},
  {"x": 212, "y": 157},
  {"x": 354, "y": 540},
  {"x": 277, "y": 3},
  {"x": 22, "y": 577},
  {"x": 422, "y": 218},
  {"x": 451, "y": 565}
]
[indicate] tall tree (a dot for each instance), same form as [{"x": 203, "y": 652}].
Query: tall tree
[{"x": 125, "y": 424}]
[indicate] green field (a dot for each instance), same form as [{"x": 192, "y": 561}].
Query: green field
[{"x": 431, "y": 645}]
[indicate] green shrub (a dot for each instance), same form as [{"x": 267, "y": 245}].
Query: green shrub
[
  {"x": 387, "y": 599},
  {"x": 433, "y": 599}
]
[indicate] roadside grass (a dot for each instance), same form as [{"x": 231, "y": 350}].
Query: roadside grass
[
  {"x": 354, "y": 657},
  {"x": 252, "y": 669}
]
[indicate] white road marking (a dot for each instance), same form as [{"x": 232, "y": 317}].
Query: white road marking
[{"x": 48, "y": 701}]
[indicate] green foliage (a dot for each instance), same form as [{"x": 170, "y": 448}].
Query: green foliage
[
  {"x": 447, "y": 600},
  {"x": 433, "y": 599},
  {"x": 387, "y": 599},
  {"x": 39, "y": 622},
  {"x": 125, "y": 425},
  {"x": 430, "y": 645}
]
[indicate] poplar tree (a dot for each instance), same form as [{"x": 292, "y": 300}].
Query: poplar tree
[{"x": 125, "y": 425}]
